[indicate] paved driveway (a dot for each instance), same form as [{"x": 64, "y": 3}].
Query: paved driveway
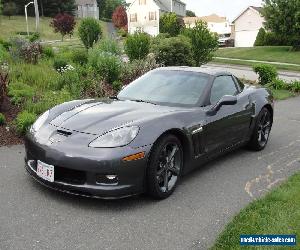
[{"x": 33, "y": 217}]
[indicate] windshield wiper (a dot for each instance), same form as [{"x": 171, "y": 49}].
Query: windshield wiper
[{"x": 144, "y": 101}]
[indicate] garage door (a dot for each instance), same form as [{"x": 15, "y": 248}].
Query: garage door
[{"x": 245, "y": 38}]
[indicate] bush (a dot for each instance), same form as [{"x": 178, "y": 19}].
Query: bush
[
  {"x": 109, "y": 45},
  {"x": 24, "y": 120},
  {"x": 170, "y": 23},
  {"x": 295, "y": 86},
  {"x": 3, "y": 54},
  {"x": 70, "y": 81},
  {"x": 174, "y": 51},
  {"x": 80, "y": 56},
  {"x": 59, "y": 63},
  {"x": 34, "y": 37},
  {"x": 278, "y": 84},
  {"x": 105, "y": 65},
  {"x": 123, "y": 32},
  {"x": 204, "y": 43},
  {"x": 48, "y": 52},
  {"x": 272, "y": 39},
  {"x": 20, "y": 92},
  {"x": 89, "y": 32},
  {"x": 267, "y": 73},
  {"x": 119, "y": 17},
  {"x": 64, "y": 24},
  {"x": 31, "y": 52},
  {"x": 2, "y": 119},
  {"x": 137, "y": 46},
  {"x": 260, "y": 38},
  {"x": 16, "y": 48},
  {"x": 117, "y": 86},
  {"x": 4, "y": 81},
  {"x": 5, "y": 44}
]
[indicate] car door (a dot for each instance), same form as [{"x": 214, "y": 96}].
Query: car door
[{"x": 230, "y": 124}]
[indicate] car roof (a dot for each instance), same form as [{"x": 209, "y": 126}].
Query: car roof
[{"x": 203, "y": 69}]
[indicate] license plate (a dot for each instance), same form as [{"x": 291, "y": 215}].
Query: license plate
[{"x": 45, "y": 171}]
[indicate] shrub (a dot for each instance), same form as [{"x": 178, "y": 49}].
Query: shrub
[
  {"x": 70, "y": 81},
  {"x": 59, "y": 63},
  {"x": 295, "y": 86},
  {"x": 267, "y": 73},
  {"x": 5, "y": 44},
  {"x": 278, "y": 84},
  {"x": 119, "y": 17},
  {"x": 109, "y": 45},
  {"x": 174, "y": 51},
  {"x": 34, "y": 37},
  {"x": 89, "y": 32},
  {"x": 272, "y": 39},
  {"x": 204, "y": 43},
  {"x": 16, "y": 48},
  {"x": 20, "y": 92},
  {"x": 24, "y": 120},
  {"x": 64, "y": 24},
  {"x": 80, "y": 56},
  {"x": 117, "y": 86},
  {"x": 2, "y": 119},
  {"x": 137, "y": 46},
  {"x": 260, "y": 38},
  {"x": 170, "y": 23},
  {"x": 48, "y": 52},
  {"x": 106, "y": 65},
  {"x": 123, "y": 32},
  {"x": 3, "y": 54},
  {"x": 4, "y": 81},
  {"x": 31, "y": 52}
]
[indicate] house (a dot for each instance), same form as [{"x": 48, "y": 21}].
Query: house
[
  {"x": 246, "y": 26},
  {"x": 215, "y": 23},
  {"x": 145, "y": 14},
  {"x": 87, "y": 8}
]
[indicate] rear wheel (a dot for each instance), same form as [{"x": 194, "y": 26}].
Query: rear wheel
[
  {"x": 261, "y": 131},
  {"x": 165, "y": 166}
]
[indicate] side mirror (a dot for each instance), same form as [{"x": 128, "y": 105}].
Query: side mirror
[{"x": 225, "y": 100}]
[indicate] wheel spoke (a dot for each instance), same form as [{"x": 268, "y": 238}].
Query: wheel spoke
[
  {"x": 166, "y": 181},
  {"x": 267, "y": 125},
  {"x": 174, "y": 170},
  {"x": 173, "y": 153}
]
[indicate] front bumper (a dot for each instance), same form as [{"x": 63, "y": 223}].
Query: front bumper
[{"x": 77, "y": 168}]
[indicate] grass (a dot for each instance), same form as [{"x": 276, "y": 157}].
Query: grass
[
  {"x": 277, "y": 213},
  {"x": 282, "y": 94}
]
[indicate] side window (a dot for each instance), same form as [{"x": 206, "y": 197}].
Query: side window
[{"x": 223, "y": 85}]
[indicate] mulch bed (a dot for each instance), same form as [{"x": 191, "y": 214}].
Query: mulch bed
[{"x": 8, "y": 135}]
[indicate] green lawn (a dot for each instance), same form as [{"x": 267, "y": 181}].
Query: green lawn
[
  {"x": 271, "y": 54},
  {"x": 282, "y": 94},
  {"x": 277, "y": 213}
]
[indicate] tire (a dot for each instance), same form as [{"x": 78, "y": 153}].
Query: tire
[
  {"x": 261, "y": 132},
  {"x": 164, "y": 171}
]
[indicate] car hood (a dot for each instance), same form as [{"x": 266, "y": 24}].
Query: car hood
[{"x": 102, "y": 116}]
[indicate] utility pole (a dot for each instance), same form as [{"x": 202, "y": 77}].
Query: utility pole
[
  {"x": 37, "y": 15},
  {"x": 27, "y": 17}
]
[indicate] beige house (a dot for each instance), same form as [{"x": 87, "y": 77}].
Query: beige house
[
  {"x": 246, "y": 26},
  {"x": 215, "y": 23},
  {"x": 87, "y": 8},
  {"x": 144, "y": 14}
]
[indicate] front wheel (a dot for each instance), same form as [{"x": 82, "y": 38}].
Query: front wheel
[
  {"x": 261, "y": 131},
  {"x": 165, "y": 166}
]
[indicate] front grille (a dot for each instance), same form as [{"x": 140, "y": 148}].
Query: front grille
[{"x": 69, "y": 176}]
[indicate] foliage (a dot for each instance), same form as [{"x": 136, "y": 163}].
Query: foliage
[
  {"x": 123, "y": 32},
  {"x": 20, "y": 92},
  {"x": 133, "y": 70},
  {"x": 48, "y": 52},
  {"x": 174, "y": 51},
  {"x": 137, "y": 46},
  {"x": 109, "y": 45},
  {"x": 31, "y": 52},
  {"x": 70, "y": 81},
  {"x": 64, "y": 24},
  {"x": 34, "y": 37},
  {"x": 170, "y": 23},
  {"x": 117, "y": 86},
  {"x": 15, "y": 50},
  {"x": 59, "y": 63},
  {"x": 278, "y": 84},
  {"x": 283, "y": 18},
  {"x": 190, "y": 13},
  {"x": 5, "y": 44},
  {"x": 106, "y": 65},
  {"x": 204, "y": 43},
  {"x": 2, "y": 119},
  {"x": 24, "y": 120},
  {"x": 260, "y": 38},
  {"x": 89, "y": 32},
  {"x": 267, "y": 73},
  {"x": 119, "y": 17},
  {"x": 9, "y": 8},
  {"x": 107, "y": 7},
  {"x": 3, "y": 54},
  {"x": 80, "y": 56},
  {"x": 4, "y": 81},
  {"x": 295, "y": 86}
]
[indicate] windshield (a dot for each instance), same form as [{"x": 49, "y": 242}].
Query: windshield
[{"x": 167, "y": 87}]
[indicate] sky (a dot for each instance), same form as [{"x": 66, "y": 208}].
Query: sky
[{"x": 229, "y": 8}]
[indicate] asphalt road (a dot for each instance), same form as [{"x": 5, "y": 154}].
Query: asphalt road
[
  {"x": 33, "y": 217},
  {"x": 247, "y": 72}
]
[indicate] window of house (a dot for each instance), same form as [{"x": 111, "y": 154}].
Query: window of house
[
  {"x": 133, "y": 17},
  {"x": 142, "y": 2},
  {"x": 152, "y": 16}
]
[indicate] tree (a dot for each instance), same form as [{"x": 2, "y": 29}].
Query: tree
[
  {"x": 190, "y": 13},
  {"x": 260, "y": 38},
  {"x": 204, "y": 43},
  {"x": 283, "y": 18},
  {"x": 137, "y": 46},
  {"x": 9, "y": 9},
  {"x": 107, "y": 7},
  {"x": 63, "y": 24},
  {"x": 119, "y": 17},
  {"x": 170, "y": 23},
  {"x": 89, "y": 32}
]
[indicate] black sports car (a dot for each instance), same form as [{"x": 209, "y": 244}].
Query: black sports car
[{"x": 158, "y": 128}]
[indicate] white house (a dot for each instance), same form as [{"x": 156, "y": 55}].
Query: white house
[
  {"x": 87, "y": 8},
  {"x": 215, "y": 23},
  {"x": 246, "y": 26},
  {"x": 144, "y": 14}
]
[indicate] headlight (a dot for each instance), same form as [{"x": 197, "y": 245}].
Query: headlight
[
  {"x": 39, "y": 122},
  {"x": 116, "y": 138}
]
